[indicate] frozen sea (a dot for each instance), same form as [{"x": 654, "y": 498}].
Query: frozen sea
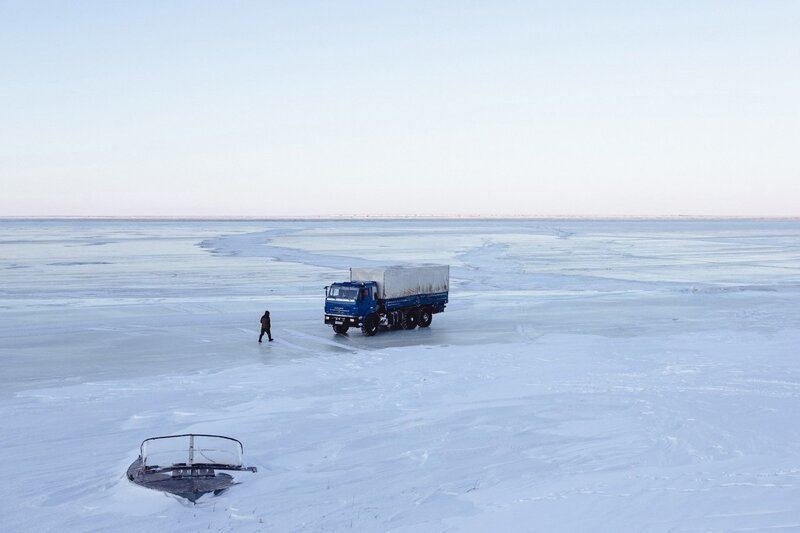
[{"x": 586, "y": 375}]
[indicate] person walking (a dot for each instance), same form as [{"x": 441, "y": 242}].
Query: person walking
[{"x": 265, "y": 325}]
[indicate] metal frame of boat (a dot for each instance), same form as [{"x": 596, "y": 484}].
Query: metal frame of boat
[{"x": 191, "y": 478}]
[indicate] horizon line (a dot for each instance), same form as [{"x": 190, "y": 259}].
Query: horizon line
[{"x": 397, "y": 217}]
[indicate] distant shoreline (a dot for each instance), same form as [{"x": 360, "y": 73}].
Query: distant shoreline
[{"x": 444, "y": 218}]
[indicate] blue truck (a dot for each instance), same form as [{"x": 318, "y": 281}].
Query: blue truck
[{"x": 387, "y": 297}]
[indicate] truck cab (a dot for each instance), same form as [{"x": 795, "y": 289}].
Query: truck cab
[{"x": 348, "y": 303}]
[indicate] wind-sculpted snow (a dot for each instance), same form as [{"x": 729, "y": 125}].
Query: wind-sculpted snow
[
  {"x": 260, "y": 245},
  {"x": 533, "y": 255},
  {"x": 565, "y": 433},
  {"x": 586, "y": 376}
]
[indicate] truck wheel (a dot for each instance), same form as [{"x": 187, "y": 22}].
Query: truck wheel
[
  {"x": 370, "y": 326},
  {"x": 341, "y": 328},
  {"x": 410, "y": 319},
  {"x": 425, "y": 317}
]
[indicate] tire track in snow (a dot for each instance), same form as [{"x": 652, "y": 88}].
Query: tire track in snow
[
  {"x": 288, "y": 344},
  {"x": 280, "y": 341},
  {"x": 320, "y": 340},
  {"x": 522, "y": 331}
]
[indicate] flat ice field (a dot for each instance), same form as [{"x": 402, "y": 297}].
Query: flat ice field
[{"x": 586, "y": 376}]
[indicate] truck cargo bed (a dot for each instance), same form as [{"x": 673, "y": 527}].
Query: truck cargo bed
[{"x": 400, "y": 281}]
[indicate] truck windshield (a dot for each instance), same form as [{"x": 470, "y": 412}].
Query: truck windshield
[{"x": 338, "y": 292}]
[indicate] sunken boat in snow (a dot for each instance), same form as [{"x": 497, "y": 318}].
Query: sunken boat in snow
[{"x": 188, "y": 465}]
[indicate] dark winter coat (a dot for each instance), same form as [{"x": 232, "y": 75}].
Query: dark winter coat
[{"x": 265, "y": 321}]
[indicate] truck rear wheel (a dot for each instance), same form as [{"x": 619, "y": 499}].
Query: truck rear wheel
[
  {"x": 410, "y": 319},
  {"x": 370, "y": 326},
  {"x": 425, "y": 317},
  {"x": 341, "y": 328}
]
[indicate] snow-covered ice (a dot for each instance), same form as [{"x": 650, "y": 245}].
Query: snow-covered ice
[{"x": 586, "y": 376}]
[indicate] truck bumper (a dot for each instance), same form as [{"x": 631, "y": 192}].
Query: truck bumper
[{"x": 351, "y": 321}]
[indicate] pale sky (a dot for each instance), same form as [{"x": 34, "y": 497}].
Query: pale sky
[{"x": 399, "y": 108}]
